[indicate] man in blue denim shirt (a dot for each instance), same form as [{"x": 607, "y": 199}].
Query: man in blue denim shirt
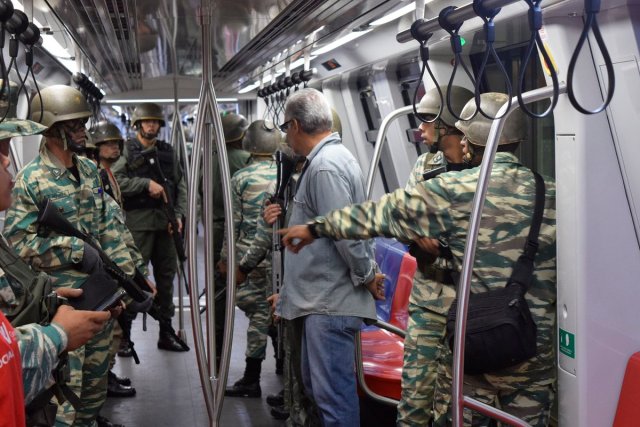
[{"x": 326, "y": 286}]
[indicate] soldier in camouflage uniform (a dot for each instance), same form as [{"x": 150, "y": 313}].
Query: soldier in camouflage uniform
[
  {"x": 442, "y": 206},
  {"x": 248, "y": 188},
  {"x": 143, "y": 193},
  {"x": 73, "y": 184},
  {"x": 427, "y": 317},
  {"x": 40, "y": 345}
]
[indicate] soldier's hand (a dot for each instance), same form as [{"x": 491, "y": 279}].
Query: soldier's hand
[
  {"x": 296, "y": 237},
  {"x": 271, "y": 213},
  {"x": 152, "y": 286},
  {"x": 429, "y": 245},
  {"x": 273, "y": 302},
  {"x": 376, "y": 287},
  {"x": 80, "y": 325},
  {"x": 179, "y": 221},
  {"x": 116, "y": 310},
  {"x": 69, "y": 292},
  {"x": 155, "y": 190},
  {"x": 240, "y": 276}
]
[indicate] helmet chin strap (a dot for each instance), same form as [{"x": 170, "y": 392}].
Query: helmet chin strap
[{"x": 69, "y": 144}]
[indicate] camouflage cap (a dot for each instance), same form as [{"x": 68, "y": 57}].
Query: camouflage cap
[{"x": 11, "y": 128}]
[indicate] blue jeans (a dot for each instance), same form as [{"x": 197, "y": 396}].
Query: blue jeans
[{"x": 328, "y": 371}]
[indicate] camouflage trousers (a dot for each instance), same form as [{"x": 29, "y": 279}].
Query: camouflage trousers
[
  {"x": 88, "y": 365},
  {"x": 251, "y": 298},
  {"x": 303, "y": 411},
  {"x": 157, "y": 246},
  {"x": 115, "y": 344},
  {"x": 531, "y": 402},
  {"x": 425, "y": 332}
]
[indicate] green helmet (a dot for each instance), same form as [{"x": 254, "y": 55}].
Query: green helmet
[
  {"x": 430, "y": 103},
  {"x": 477, "y": 129},
  {"x": 337, "y": 124},
  {"x": 89, "y": 143},
  {"x": 10, "y": 128},
  {"x": 262, "y": 137},
  {"x": 59, "y": 103},
  {"x": 234, "y": 127},
  {"x": 10, "y": 104},
  {"x": 147, "y": 111},
  {"x": 106, "y": 131}
]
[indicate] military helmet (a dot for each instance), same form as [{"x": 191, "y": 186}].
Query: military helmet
[
  {"x": 10, "y": 128},
  {"x": 234, "y": 127},
  {"x": 430, "y": 103},
  {"x": 10, "y": 104},
  {"x": 147, "y": 111},
  {"x": 89, "y": 142},
  {"x": 337, "y": 124},
  {"x": 59, "y": 103},
  {"x": 477, "y": 129},
  {"x": 106, "y": 131},
  {"x": 262, "y": 137}
]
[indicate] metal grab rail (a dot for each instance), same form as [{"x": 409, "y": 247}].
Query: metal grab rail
[
  {"x": 458, "y": 398},
  {"x": 377, "y": 150},
  {"x": 213, "y": 381},
  {"x": 458, "y": 16}
]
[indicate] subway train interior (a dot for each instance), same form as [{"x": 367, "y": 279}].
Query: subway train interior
[{"x": 202, "y": 59}]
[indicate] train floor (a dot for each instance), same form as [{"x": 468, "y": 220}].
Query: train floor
[{"x": 168, "y": 385}]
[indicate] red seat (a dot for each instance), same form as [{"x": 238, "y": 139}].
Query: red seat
[
  {"x": 628, "y": 412},
  {"x": 382, "y": 351}
]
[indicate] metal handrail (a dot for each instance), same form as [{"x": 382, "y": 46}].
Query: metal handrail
[
  {"x": 380, "y": 139},
  {"x": 213, "y": 381},
  {"x": 458, "y": 16},
  {"x": 458, "y": 398}
]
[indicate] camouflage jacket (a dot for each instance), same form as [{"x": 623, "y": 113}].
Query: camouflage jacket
[
  {"x": 442, "y": 206},
  {"x": 119, "y": 223},
  {"x": 81, "y": 203},
  {"x": 248, "y": 188},
  {"x": 238, "y": 159},
  {"x": 39, "y": 345},
  {"x": 148, "y": 219},
  {"x": 426, "y": 291}
]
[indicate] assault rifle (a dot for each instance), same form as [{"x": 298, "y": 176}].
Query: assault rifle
[
  {"x": 49, "y": 217},
  {"x": 285, "y": 166}
]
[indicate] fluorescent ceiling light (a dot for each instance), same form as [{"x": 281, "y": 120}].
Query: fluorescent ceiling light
[
  {"x": 295, "y": 64},
  {"x": 249, "y": 88},
  {"x": 164, "y": 100},
  {"x": 337, "y": 43},
  {"x": 394, "y": 15}
]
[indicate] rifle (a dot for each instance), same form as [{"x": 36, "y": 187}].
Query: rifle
[
  {"x": 285, "y": 166},
  {"x": 49, "y": 217}
]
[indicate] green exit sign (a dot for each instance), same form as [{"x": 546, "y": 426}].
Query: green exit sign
[{"x": 567, "y": 343}]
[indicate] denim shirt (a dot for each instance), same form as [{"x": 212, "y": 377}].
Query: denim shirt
[{"x": 327, "y": 277}]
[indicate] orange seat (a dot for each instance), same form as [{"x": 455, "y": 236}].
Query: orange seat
[{"x": 628, "y": 412}]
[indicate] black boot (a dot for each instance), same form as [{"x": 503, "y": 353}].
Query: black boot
[
  {"x": 280, "y": 412},
  {"x": 119, "y": 379},
  {"x": 104, "y": 422},
  {"x": 115, "y": 389},
  {"x": 167, "y": 339},
  {"x": 276, "y": 399},
  {"x": 249, "y": 384},
  {"x": 126, "y": 346}
]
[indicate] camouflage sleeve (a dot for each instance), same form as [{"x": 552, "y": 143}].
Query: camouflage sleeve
[
  {"x": 236, "y": 201},
  {"x": 332, "y": 190},
  {"x": 39, "y": 350},
  {"x": 111, "y": 239},
  {"x": 21, "y": 230},
  {"x": 260, "y": 246},
  {"x": 405, "y": 215},
  {"x": 128, "y": 186},
  {"x": 181, "y": 199},
  {"x": 416, "y": 173}
]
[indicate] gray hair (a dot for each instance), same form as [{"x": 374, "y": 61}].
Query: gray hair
[{"x": 311, "y": 109}]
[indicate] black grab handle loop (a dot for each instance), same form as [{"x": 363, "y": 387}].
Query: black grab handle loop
[
  {"x": 591, "y": 8},
  {"x": 424, "y": 57},
  {"x": 456, "y": 47}
]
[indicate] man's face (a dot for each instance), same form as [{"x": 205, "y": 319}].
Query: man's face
[
  {"x": 6, "y": 180},
  {"x": 428, "y": 132},
  {"x": 150, "y": 127},
  {"x": 76, "y": 130},
  {"x": 290, "y": 128},
  {"x": 109, "y": 151}
]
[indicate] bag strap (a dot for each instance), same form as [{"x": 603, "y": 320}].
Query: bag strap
[{"x": 523, "y": 267}]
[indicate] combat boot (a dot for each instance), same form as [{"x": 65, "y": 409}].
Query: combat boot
[
  {"x": 104, "y": 422},
  {"x": 276, "y": 399},
  {"x": 249, "y": 384},
  {"x": 167, "y": 338},
  {"x": 115, "y": 389},
  {"x": 280, "y": 412}
]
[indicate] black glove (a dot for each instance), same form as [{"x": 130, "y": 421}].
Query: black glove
[
  {"x": 143, "y": 306},
  {"x": 90, "y": 260}
]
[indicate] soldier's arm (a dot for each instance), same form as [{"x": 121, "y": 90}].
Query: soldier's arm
[
  {"x": 236, "y": 199},
  {"x": 260, "y": 246},
  {"x": 128, "y": 186},
  {"x": 181, "y": 187},
  {"x": 332, "y": 191},
  {"x": 39, "y": 349},
  {"x": 21, "y": 229}
]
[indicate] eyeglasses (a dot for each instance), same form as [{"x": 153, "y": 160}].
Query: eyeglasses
[{"x": 284, "y": 126}]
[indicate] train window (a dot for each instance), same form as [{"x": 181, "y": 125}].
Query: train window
[
  {"x": 373, "y": 118},
  {"x": 408, "y": 74},
  {"x": 538, "y": 155}
]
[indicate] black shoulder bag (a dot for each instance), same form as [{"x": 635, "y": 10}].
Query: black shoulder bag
[{"x": 500, "y": 330}]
